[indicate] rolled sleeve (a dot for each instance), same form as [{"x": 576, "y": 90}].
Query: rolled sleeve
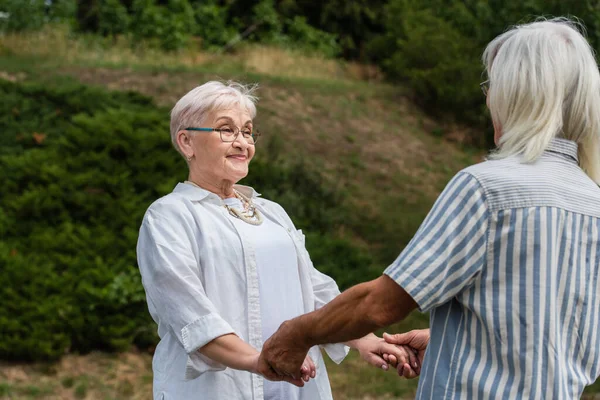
[
  {"x": 176, "y": 296},
  {"x": 205, "y": 329},
  {"x": 449, "y": 249}
]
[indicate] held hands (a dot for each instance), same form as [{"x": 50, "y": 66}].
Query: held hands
[
  {"x": 377, "y": 352},
  {"x": 284, "y": 355},
  {"x": 307, "y": 371},
  {"x": 417, "y": 339},
  {"x": 284, "y": 358}
]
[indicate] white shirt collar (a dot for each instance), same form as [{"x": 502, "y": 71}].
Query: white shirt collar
[{"x": 195, "y": 193}]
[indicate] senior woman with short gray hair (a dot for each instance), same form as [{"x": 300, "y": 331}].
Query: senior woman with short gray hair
[{"x": 223, "y": 268}]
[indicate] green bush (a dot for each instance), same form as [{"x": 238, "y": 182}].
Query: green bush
[
  {"x": 212, "y": 24},
  {"x": 435, "y": 47},
  {"x": 167, "y": 26},
  {"x": 33, "y": 14},
  {"x": 79, "y": 167},
  {"x": 22, "y": 15},
  {"x": 113, "y": 18},
  {"x": 69, "y": 209}
]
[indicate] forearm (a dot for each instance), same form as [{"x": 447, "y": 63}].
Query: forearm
[
  {"x": 358, "y": 311},
  {"x": 232, "y": 352},
  {"x": 355, "y": 344}
]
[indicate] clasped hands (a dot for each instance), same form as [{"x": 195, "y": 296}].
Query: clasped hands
[{"x": 284, "y": 356}]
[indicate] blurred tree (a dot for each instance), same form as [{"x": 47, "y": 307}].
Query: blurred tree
[
  {"x": 87, "y": 15},
  {"x": 112, "y": 18},
  {"x": 22, "y": 15}
]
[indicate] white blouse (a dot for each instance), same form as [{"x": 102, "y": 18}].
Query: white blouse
[
  {"x": 200, "y": 272},
  {"x": 279, "y": 290}
]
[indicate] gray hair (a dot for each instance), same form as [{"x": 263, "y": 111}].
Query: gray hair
[
  {"x": 193, "y": 108},
  {"x": 544, "y": 83}
]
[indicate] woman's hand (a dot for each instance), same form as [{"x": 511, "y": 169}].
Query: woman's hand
[
  {"x": 308, "y": 369},
  {"x": 417, "y": 339},
  {"x": 379, "y": 353}
]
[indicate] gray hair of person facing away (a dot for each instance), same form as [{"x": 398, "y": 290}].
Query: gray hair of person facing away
[
  {"x": 194, "y": 107},
  {"x": 544, "y": 83}
]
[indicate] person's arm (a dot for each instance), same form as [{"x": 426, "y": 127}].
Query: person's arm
[
  {"x": 358, "y": 311},
  {"x": 445, "y": 256},
  {"x": 372, "y": 349},
  {"x": 233, "y": 352},
  {"x": 171, "y": 279}
]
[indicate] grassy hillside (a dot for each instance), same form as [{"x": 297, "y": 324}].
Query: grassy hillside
[{"x": 382, "y": 159}]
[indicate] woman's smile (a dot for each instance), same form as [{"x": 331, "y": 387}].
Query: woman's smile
[{"x": 239, "y": 157}]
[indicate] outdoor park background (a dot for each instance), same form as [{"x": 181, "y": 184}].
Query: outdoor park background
[{"x": 368, "y": 107}]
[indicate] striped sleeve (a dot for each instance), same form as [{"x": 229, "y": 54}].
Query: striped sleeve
[{"x": 449, "y": 249}]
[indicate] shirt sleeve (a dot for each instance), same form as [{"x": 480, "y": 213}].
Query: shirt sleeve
[
  {"x": 171, "y": 278},
  {"x": 449, "y": 249}
]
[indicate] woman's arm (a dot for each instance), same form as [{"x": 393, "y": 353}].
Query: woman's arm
[{"x": 233, "y": 352}]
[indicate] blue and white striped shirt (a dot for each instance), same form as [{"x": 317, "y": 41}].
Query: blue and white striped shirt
[{"x": 507, "y": 261}]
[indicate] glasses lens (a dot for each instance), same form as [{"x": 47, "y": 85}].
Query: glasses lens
[
  {"x": 249, "y": 136},
  {"x": 228, "y": 134}
]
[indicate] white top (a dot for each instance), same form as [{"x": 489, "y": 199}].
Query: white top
[
  {"x": 200, "y": 275},
  {"x": 279, "y": 289}
]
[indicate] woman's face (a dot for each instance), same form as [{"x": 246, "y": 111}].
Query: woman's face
[{"x": 217, "y": 160}]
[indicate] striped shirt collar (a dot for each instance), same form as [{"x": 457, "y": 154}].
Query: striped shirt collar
[{"x": 565, "y": 147}]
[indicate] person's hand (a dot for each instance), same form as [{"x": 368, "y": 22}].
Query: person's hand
[
  {"x": 283, "y": 356},
  {"x": 379, "y": 353},
  {"x": 418, "y": 339},
  {"x": 268, "y": 373},
  {"x": 408, "y": 370},
  {"x": 308, "y": 369}
]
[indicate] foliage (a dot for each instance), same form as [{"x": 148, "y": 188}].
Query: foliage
[
  {"x": 68, "y": 269},
  {"x": 435, "y": 46},
  {"x": 426, "y": 51},
  {"x": 310, "y": 39},
  {"x": 62, "y": 11},
  {"x": 31, "y": 15},
  {"x": 168, "y": 25},
  {"x": 79, "y": 167},
  {"x": 22, "y": 15},
  {"x": 112, "y": 18},
  {"x": 211, "y": 24},
  {"x": 272, "y": 27}
]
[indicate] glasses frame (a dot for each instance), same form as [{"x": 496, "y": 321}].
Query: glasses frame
[
  {"x": 255, "y": 134},
  {"x": 485, "y": 87}
]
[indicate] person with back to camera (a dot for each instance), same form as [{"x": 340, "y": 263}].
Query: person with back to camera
[
  {"x": 508, "y": 260},
  {"x": 223, "y": 268}
]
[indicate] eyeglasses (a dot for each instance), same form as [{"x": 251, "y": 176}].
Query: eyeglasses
[
  {"x": 485, "y": 86},
  {"x": 229, "y": 134}
]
